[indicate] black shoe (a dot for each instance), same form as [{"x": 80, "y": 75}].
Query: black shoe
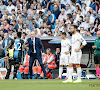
[
  {"x": 40, "y": 77},
  {"x": 46, "y": 77}
]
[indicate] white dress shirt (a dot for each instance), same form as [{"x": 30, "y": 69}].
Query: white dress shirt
[
  {"x": 34, "y": 45},
  {"x": 5, "y": 42}
]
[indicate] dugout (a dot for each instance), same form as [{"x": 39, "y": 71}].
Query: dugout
[{"x": 87, "y": 57}]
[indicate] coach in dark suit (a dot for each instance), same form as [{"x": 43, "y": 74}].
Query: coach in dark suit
[{"x": 35, "y": 49}]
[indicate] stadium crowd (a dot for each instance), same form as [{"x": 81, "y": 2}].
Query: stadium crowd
[{"x": 46, "y": 18}]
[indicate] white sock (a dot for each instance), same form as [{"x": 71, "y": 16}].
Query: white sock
[
  {"x": 79, "y": 72},
  {"x": 70, "y": 71},
  {"x": 67, "y": 71},
  {"x": 60, "y": 71}
]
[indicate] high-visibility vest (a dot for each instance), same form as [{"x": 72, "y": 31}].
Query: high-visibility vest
[
  {"x": 35, "y": 70},
  {"x": 26, "y": 60},
  {"x": 11, "y": 52},
  {"x": 52, "y": 64}
]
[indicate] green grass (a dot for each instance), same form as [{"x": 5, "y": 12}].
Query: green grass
[{"x": 47, "y": 85}]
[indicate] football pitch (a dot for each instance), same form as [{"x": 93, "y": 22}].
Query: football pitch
[{"x": 48, "y": 85}]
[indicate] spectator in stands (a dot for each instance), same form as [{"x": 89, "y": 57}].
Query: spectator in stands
[
  {"x": 69, "y": 17},
  {"x": 25, "y": 4},
  {"x": 91, "y": 18},
  {"x": 45, "y": 3},
  {"x": 91, "y": 28},
  {"x": 25, "y": 29},
  {"x": 38, "y": 20},
  {"x": 10, "y": 6},
  {"x": 30, "y": 10},
  {"x": 82, "y": 31},
  {"x": 93, "y": 5},
  {"x": 24, "y": 37},
  {"x": 19, "y": 25},
  {"x": 99, "y": 14},
  {"x": 64, "y": 2},
  {"x": 74, "y": 17},
  {"x": 96, "y": 22},
  {"x": 56, "y": 11},
  {"x": 46, "y": 20},
  {"x": 2, "y": 7},
  {"x": 1, "y": 40},
  {"x": 57, "y": 32},
  {"x": 1, "y": 15},
  {"x": 2, "y": 34},
  {"x": 58, "y": 2},
  {"x": 18, "y": 4},
  {"x": 84, "y": 9},
  {"x": 56, "y": 24},
  {"x": 39, "y": 8},
  {"x": 61, "y": 28},
  {"x": 97, "y": 5},
  {"x": 11, "y": 35},
  {"x": 29, "y": 21},
  {"x": 93, "y": 13},
  {"x": 68, "y": 10},
  {"x": 62, "y": 15},
  {"x": 6, "y": 25},
  {"x": 15, "y": 35},
  {"x": 12, "y": 27},
  {"x": 42, "y": 14},
  {"x": 33, "y": 24},
  {"x": 15, "y": 25},
  {"x": 49, "y": 32},
  {"x": 51, "y": 17},
  {"x": 86, "y": 23},
  {"x": 77, "y": 9},
  {"x": 2, "y": 29},
  {"x": 25, "y": 15},
  {"x": 42, "y": 34}
]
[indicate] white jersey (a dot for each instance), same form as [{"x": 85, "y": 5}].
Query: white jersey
[
  {"x": 77, "y": 40},
  {"x": 65, "y": 45}
]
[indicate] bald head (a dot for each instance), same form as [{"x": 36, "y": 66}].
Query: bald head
[
  {"x": 98, "y": 34},
  {"x": 32, "y": 34}
]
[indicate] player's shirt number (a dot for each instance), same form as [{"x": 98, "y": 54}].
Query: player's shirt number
[{"x": 17, "y": 46}]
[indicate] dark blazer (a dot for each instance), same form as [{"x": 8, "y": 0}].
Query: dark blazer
[
  {"x": 56, "y": 13},
  {"x": 3, "y": 43},
  {"x": 38, "y": 46}
]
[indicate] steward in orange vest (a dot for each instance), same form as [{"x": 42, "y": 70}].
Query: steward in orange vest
[
  {"x": 24, "y": 69},
  {"x": 49, "y": 59}
]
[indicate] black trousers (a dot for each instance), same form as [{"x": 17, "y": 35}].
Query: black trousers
[
  {"x": 16, "y": 67},
  {"x": 11, "y": 62},
  {"x": 32, "y": 58}
]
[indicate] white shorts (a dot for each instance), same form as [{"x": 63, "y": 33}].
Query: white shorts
[
  {"x": 75, "y": 58},
  {"x": 64, "y": 59}
]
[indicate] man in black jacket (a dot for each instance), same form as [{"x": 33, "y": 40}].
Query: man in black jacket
[{"x": 2, "y": 53}]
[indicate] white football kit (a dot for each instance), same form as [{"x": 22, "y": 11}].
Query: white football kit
[
  {"x": 65, "y": 47},
  {"x": 77, "y": 40}
]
